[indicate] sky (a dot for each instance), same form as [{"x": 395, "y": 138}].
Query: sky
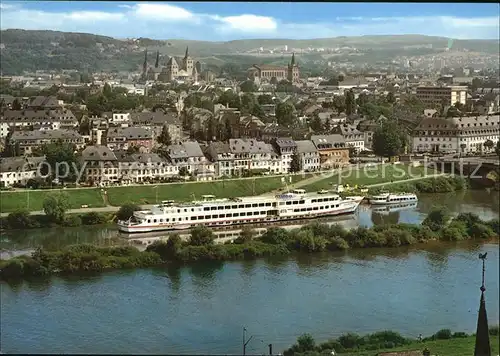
[{"x": 225, "y": 21}]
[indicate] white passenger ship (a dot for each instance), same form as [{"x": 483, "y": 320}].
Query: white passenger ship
[
  {"x": 219, "y": 212},
  {"x": 390, "y": 198}
]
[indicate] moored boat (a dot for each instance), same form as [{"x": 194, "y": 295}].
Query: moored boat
[
  {"x": 393, "y": 198},
  {"x": 213, "y": 212}
]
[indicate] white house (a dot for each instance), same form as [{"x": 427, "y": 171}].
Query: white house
[
  {"x": 18, "y": 170},
  {"x": 308, "y": 156}
]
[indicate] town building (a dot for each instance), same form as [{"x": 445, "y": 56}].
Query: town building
[
  {"x": 189, "y": 157},
  {"x": 19, "y": 170},
  {"x": 437, "y": 96},
  {"x": 156, "y": 120},
  {"x": 351, "y": 136},
  {"x": 264, "y": 73},
  {"x": 36, "y": 119},
  {"x": 185, "y": 69},
  {"x": 144, "y": 167},
  {"x": 286, "y": 148},
  {"x": 458, "y": 134},
  {"x": 31, "y": 140},
  {"x": 100, "y": 166},
  {"x": 333, "y": 151},
  {"x": 254, "y": 156},
  {"x": 309, "y": 159},
  {"x": 122, "y": 138},
  {"x": 223, "y": 158}
]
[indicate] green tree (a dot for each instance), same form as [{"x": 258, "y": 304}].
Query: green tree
[
  {"x": 55, "y": 206},
  {"x": 230, "y": 98},
  {"x": 339, "y": 103},
  {"x": 265, "y": 99},
  {"x": 16, "y": 105},
  {"x": 350, "y": 103},
  {"x": 388, "y": 140},
  {"x": 248, "y": 103},
  {"x": 107, "y": 92},
  {"x": 165, "y": 138},
  {"x": 201, "y": 236},
  {"x": 391, "y": 99},
  {"x": 183, "y": 171},
  {"x": 285, "y": 114},
  {"x": 20, "y": 219},
  {"x": 295, "y": 163},
  {"x": 127, "y": 211},
  {"x": 316, "y": 124},
  {"x": 246, "y": 235},
  {"x": 84, "y": 127},
  {"x": 273, "y": 81},
  {"x": 497, "y": 149},
  {"x": 436, "y": 219},
  {"x": 488, "y": 144},
  {"x": 62, "y": 159},
  {"x": 248, "y": 86}
]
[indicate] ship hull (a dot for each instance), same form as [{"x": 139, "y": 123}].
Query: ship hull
[{"x": 132, "y": 229}]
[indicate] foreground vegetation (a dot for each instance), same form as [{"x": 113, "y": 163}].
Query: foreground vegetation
[
  {"x": 442, "y": 343},
  {"x": 276, "y": 241},
  {"x": 145, "y": 194}
]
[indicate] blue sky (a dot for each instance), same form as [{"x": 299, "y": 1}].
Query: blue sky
[{"x": 222, "y": 21}]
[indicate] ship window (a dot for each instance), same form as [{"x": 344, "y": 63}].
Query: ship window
[
  {"x": 256, "y": 213},
  {"x": 261, "y": 204},
  {"x": 166, "y": 220},
  {"x": 178, "y": 210},
  {"x": 241, "y": 206},
  {"x": 268, "y": 204},
  {"x": 149, "y": 221},
  {"x": 220, "y": 208},
  {"x": 248, "y": 205},
  {"x": 309, "y": 209},
  {"x": 295, "y": 202},
  {"x": 255, "y": 205},
  {"x": 194, "y": 218},
  {"x": 215, "y": 216},
  {"x": 185, "y": 210},
  {"x": 213, "y": 208},
  {"x": 227, "y": 207},
  {"x": 201, "y": 217},
  {"x": 303, "y": 209},
  {"x": 236, "y": 214},
  {"x": 337, "y": 206},
  {"x": 222, "y": 215},
  {"x": 314, "y": 201},
  {"x": 192, "y": 209},
  {"x": 229, "y": 215},
  {"x": 249, "y": 213},
  {"x": 173, "y": 219},
  {"x": 206, "y": 209},
  {"x": 302, "y": 202},
  {"x": 315, "y": 208},
  {"x": 288, "y": 203},
  {"x": 320, "y": 200}
]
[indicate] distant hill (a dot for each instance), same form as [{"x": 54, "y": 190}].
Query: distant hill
[{"x": 24, "y": 50}]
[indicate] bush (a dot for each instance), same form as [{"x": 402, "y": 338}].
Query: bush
[
  {"x": 93, "y": 218},
  {"x": 494, "y": 330},
  {"x": 443, "y": 334},
  {"x": 436, "y": 219},
  {"x": 21, "y": 219},
  {"x": 481, "y": 231},
  {"x": 456, "y": 231},
  {"x": 127, "y": 211},
  {"x": 494, "y": 225},
  {"x": 72, "y": 220},
  {"x": 55, "y": 206},
  {"x": 338, "y": 243},
  {"x": 275, "y": 236},
  {"x": 459, "y": 335},
  {"x": 201, "y": 236}
]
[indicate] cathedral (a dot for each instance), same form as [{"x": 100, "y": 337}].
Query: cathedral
[{"x": 182, "y": 69}]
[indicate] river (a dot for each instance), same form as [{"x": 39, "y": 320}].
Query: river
[{"x": 203, "y": 308}]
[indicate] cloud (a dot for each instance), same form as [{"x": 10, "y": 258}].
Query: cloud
[
  {"x": 162, "y": 12},
  {"x": 163, "y": 21},
  {"x": 247, "y": 23}
]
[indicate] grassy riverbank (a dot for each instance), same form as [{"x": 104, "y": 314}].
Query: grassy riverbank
[
  {"x": 32, "y": 200},
  {"x": 311, "y": 238},
  {"x": 442, "y": 343},
  {"x": 371, "y": 175}
]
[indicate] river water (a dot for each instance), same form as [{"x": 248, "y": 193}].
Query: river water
[{"x": 203, "y": 308}]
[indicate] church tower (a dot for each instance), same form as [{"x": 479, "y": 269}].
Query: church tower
[
  {"x": 145, "y": 64},
  {"x": 293, "y": 70},
  {"x": 188, "y": 63},
  {"x": 157, "y": 63}
]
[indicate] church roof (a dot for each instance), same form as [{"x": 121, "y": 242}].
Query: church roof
[{"x": 482, "y": 347}]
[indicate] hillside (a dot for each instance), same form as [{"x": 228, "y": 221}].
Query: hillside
[{"x": 24, "y": 50}]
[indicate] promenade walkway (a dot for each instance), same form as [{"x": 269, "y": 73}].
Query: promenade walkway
[{"x": 109, "y": 208}]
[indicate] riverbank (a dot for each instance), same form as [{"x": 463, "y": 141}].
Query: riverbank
[
  {"x": 32, "y": 200},
  {"x": 96, "y": 216},
  {"x": 443, "y": 343},
  {"x": 313, "y": 238}
]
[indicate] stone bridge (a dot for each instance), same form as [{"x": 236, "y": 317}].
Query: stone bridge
[{"x": 485, "y": 171}]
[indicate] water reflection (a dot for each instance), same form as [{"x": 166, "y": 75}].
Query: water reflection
[{"x": 481, "y": 202}]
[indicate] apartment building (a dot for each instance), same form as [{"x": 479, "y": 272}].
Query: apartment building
[
  {"x": 30, "y": 140},
  {"x": 155, "y": 121},
  {"x": 189, "y": 155},
  {"x": 285, "y": 147},
  {"x": 436, "y": 96},
  {"x": 143, "y": 167},
  {"x": 309, "y": 159},
  {"x": 351, "y": 136},
  {"x": 124, "y": 137},
  {"x": 223, "y": 158},
  {"x": 458, "y": 134},
  {"x": 100, "y": 166},
  {"x": 19, "y": 170},
  {"x": 254, "y": 156},
  {"x": 36, "y": 119},
  {"x": 333, "y": 151}
]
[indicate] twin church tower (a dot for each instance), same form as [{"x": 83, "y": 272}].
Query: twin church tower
[{"x": 175, "y": 69}]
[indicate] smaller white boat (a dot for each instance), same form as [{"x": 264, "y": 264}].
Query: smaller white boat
[
  {"x": 393, "y": 198},
  {"x": 355, "y": 198}
]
